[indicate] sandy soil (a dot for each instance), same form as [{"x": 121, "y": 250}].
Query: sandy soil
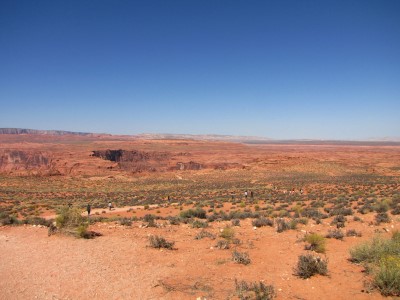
[{"x": 120, "y": 265}]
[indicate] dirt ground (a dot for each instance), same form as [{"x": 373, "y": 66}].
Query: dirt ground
[{"x": 120, "y": 265}]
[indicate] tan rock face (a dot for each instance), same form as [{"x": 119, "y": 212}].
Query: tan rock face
[{"x": 24, "y": 160}]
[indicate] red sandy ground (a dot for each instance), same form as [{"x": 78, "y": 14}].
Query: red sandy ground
[{"x": 120, "y": 265}]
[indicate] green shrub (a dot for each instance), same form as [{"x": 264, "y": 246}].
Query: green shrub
[
  {"x": 387, "y": 278},
  {"x": 315, "y": 242},
  {"x": 199, "y": 224},
  {"x": 373, "y": 251},
  {"x": 69, "y": 218},
  {"x": 309, "y": 265},
  {"x": 194, "y": 213},
  {"x": 227, "y": 233}
]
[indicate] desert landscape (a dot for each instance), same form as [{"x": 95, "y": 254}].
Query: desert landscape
[{"x": 194, "y": 218}]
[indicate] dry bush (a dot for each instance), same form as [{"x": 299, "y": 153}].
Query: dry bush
[
  {"x": 309, "y": 265},
  {"x": 160, "y": 242},
  {"x": 335, "y": 234},
  {"x": 254, "y": 290},
  {"x": 241, "y": 257},
  {"x": 203, "y": 234}
]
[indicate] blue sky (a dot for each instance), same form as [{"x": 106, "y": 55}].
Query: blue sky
[{"x": 279, "y": 69}]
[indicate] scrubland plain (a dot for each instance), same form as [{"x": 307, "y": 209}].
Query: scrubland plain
[{"x": 196, "y": 219}]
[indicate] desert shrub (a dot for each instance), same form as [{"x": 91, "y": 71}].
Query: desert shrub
[
  {"x": 315, "y": 242},
  {"x": 227, "y": 233},
  {"x": 339, "y": 221},
  {"x": 357, "y": 219},
  {"x": 282, "y": 225},
  {"x": 396, "y": 210},
  {"x": 387, "y": 278},
  {"x": 125, "y": 222},
  {"x": 260, "y": 222},
  {"x": 382, "y": 218},
  {"x": 7, "y": 219},
  {"x": 312, "y": 213},
  {"x": 353, "y": 232},
  {"x": 341, "y": 211},
  {"x": 241, "y": 257},
  {"x": 149, "y": 218},
  {"x": 335, "y": 234},
  {"x": 235, "y": 222},
  {"x": 223, "y": 244},
  {"x": 303, "y": 221},
  {"x": 37, "y": 221},
  {"x": 376, "y": 249},
  {"x": 382, "y": 206},
  {"x": 309, "y": 265},
  {"x": 254, "y": 290},
  {"x": 69, "y": 218},
  {"x": 366, "y": 208},
  {"x": 174, "y": 220},
  {"x": 396, "y": 236},
  {"x": 160, "y": 242},
  {"x": 203, "y": 234},
  {"x": 199, "y": 224},
  {"x": 236, "y": 241},
  {"x": 381, "y": 258},
  {"x": 194, "y": 213}
]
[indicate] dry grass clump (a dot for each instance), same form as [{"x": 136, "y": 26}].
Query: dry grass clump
[
  {"x": 254, "y": 290},
  {"x": 315, "y": 242},
  {"x": 241, "y": 257},
  {"x": 309, "y": 265},
  {"x": 160, "y": 242}
]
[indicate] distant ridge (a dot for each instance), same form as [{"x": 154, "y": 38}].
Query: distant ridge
[
  {"x": 40, "y": 132},
  {"x": 207, "y": 137},
  {"x": 204, "y": 137}
]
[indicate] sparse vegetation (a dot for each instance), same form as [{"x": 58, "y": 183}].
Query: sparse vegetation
[{"x": 381, "y": 258}]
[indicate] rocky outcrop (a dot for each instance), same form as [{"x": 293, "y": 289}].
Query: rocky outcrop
[
  {"x": 16, "y": 160},
  {"x": 136, "y": 161}
]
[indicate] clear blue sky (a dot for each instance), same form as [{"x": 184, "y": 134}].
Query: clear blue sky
[{"x": 279, "y": 69}]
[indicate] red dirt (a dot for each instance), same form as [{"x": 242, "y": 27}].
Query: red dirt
[{"x": 120, "y": 265}]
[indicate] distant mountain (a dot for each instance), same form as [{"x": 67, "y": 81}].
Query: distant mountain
[
  {"x": 40, "y": 132},
  {"x": 204, "y": 137}
]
